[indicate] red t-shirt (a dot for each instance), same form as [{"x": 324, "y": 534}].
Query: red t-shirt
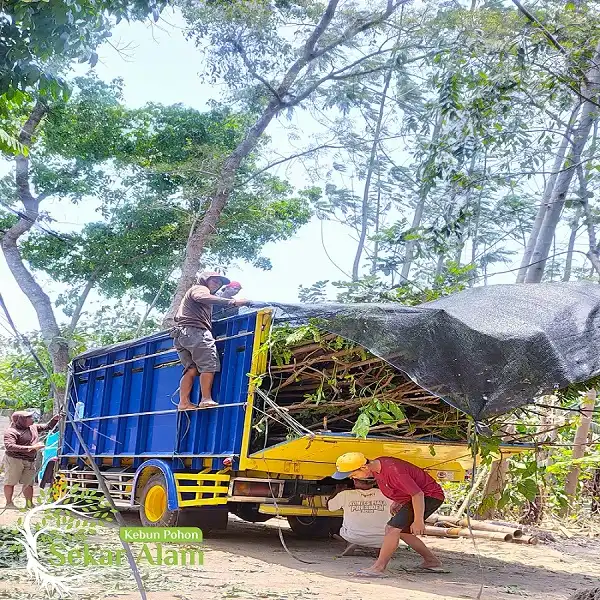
[{"x": 400, "y": 481}]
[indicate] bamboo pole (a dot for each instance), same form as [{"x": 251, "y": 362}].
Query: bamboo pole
[
  {"x": 482, "y": 526},
  {"x": 579, "y": 447},
  {"x": 532, "y": 540},
  {"x": 479, "y": 481},
  {"x": 455, "y": 532},
  {"x": 440, "y": 532},
  {"x": 514, "y": 530}
]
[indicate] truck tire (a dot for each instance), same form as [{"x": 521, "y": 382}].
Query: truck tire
[
  {"x": 315, "y": 527},
  {"x": 249, "y": 512},
  {"x": 153, "y": 504}
]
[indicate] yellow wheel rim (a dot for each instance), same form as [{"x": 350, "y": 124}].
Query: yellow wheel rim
[{"x": 155, "y": 504}]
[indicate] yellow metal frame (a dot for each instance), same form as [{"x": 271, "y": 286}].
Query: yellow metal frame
[
  {"x": 315, "y": 506},
  {"x": 297, "y": 511},
  {"x": 314, "y": 457},
  {"x": 209, "y": 489},
  {"x": 258, "y": 367}
]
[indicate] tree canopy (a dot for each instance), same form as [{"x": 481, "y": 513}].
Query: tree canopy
[{"x": 145, "y": 171}]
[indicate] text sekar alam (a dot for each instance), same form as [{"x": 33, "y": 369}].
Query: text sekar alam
[{"x": 153, "y": 554}]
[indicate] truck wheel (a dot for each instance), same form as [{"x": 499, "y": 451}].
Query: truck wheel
[
  {"x": 249, "y": 512},
  {"x": 153, "y": 504},
  {"x": 315, "y": 527}
]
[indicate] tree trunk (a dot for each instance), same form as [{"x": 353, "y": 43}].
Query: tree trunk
[
  {"x": 463, "y": 239},
  {"x": 571, "y": 245},
  {"x": 548, "y": 189},
  {"x": 485, "y": 267},
  {"x": 579, "y": 446},
  {"x": 594, "y": 250},
  {"x": 439, "y": 267},
  {"x": 494, "y": 487},
  {"x": 81, "y": 301},
  {"x": 596, "y": 493},
  {"x": 371, "y": 167},
  {"x": 495, "y": 483},
  {"x": 475, "y": 243},
  {"x": 377, "y": 225},
  {"x": 589, "y": 114},
  {"x": 56, "y": 343},
  {"x": 544, "y": 460},
  {"x": 419, "y": 209},
  {"x": 200, "y": 235}
]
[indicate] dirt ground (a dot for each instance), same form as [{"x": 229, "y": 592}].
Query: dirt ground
[{"x": 249, "y": 561}]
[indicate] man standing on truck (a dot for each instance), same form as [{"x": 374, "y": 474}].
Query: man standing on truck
[
  {"x": 193, "y": 337},
  {"x": 21, "y": 445},
  {"x": 366, "y": 513},
  {"x": 415, "y": 495}
]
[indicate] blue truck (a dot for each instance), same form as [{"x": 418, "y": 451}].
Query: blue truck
[{"x": 197, "y": 467}]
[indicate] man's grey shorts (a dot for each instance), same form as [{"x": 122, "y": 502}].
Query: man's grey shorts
[{"x": 197, "y": 348}]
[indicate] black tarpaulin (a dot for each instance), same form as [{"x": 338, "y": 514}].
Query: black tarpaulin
[{"x": 486, "y": 350}]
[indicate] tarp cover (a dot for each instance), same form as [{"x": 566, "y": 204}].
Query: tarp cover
[{"x": 485, "y": 350}]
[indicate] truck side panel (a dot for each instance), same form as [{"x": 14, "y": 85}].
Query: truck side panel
[{"x": 130, "y": 395}]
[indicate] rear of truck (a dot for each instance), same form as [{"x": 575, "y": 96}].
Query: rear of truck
[{"x": 196, "y": 467}]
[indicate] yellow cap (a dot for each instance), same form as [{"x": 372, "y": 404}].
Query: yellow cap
[{"x": 348, "y": 463}]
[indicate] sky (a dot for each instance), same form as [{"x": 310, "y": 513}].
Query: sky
[{"x": 159, "y": 65}]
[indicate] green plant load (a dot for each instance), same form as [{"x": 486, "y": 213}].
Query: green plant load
[{"x": 327, "y": 383}]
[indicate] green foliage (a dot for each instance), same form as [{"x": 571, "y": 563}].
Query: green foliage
[
  {"x": 10, "y": 144},
  {"x": 37, "y": 31},
  {"x": 284, "y": 338},
  {"x": 41, "y": 36},
  {"x": 571, "y": 395},
  {"x": 373, "y": 288},
  {"x": 315, "y": 293},
  {"x": 375, "y": 412},
  {"x": 22, "y": 384},
  {"x": 150, "y": 170}
]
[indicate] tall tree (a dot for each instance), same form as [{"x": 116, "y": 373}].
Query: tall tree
[
  {"x": 576, "y": 67},
  {"x": 247, "y": 45},
  {"x": 55, "y": 342}
]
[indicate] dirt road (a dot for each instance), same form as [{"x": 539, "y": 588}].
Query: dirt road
[{"x": 248, "y": 561}]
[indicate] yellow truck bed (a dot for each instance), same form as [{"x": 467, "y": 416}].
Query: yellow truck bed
[{"x": 314, "y": 457}]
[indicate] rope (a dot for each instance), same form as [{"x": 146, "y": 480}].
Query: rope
[
  {"x": 293, "y": 423},
  {"x": 468, "y": 513},
  {"x": 102, "y": 483}
]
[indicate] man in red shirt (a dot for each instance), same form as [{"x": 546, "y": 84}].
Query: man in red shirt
[{"x": 416, "y": 496}]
